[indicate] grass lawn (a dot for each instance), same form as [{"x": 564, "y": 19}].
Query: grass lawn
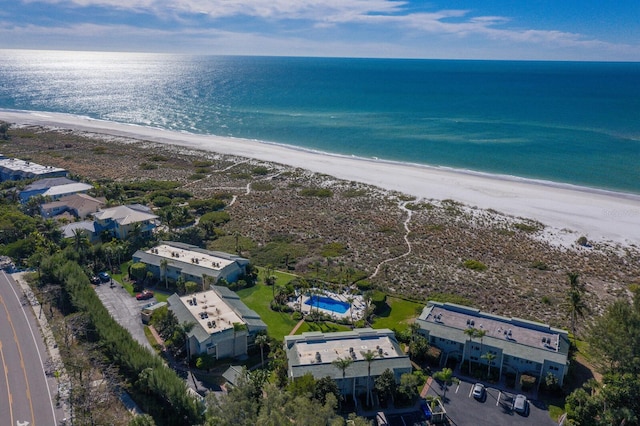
[
  {"x": 399, "y": 315},
  {"x": 324, "y": 326},
  {"x": 258, "y": 298},
  {"x": 120, "y": 278},
  {"x": 555, "y": 412},
  {"x": 282, "y": 278}
]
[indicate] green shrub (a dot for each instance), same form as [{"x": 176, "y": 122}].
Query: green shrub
[
  {"x": 138, "y": 271},
  {"x": 207, "y": 205},
  {"x": 197, "y": 176},
  {"x": 202, "y": 163},
  {"x": 527, "y": 382},
  {"x": 364, "y": 285},
  {"x": 352, "y": 193},
  {"x": 476, "y": 265},
  {"x": 378, "y": 297},
  {"x": 161, "y": 201},
  {"x": 158, "y": 158},
  {"x": 316, "y": 192},
  {"x": 214, "y": 219},
  {"x": 540, "y": 265},
  {"x": 262, "y": 186},
  {"x": 451, "y": 298},
  {"x": 297, "y": 316},
  {"x": 191, "y": 287},
  {"x": 583, "y": 241},
  {"x": 150, "y": 185},
  {"x": 260, "y": 170},
  {"x": 148, "y": 166},
  {"x": 528, "y": 227},
  {"x": 334, "y": 250}
]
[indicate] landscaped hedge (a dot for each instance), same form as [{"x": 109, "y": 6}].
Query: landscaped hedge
[{"x": 153, "y": 385}]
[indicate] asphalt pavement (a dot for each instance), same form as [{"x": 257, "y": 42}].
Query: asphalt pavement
[
  {"x": 495, "y": 409},
  {"x": 26, "y": 394},
  {"x": 125, "y": 309}
]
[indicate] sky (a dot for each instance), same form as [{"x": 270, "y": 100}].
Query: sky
[{"x": 582, "y": 30}]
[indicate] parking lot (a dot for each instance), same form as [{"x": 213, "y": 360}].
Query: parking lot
[
  {"x": 495, "y": 409},
  {"x": 125, "y": 309}
]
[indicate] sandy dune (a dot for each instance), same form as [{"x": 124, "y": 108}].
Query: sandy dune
[{"x": 571, "y": 211}]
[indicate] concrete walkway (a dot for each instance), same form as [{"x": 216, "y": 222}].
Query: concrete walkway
[
  {"x": 295, "y": 329},
  {"x": 425, "y": 388}
]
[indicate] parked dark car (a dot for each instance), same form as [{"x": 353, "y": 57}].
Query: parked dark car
[
  {"x": 104, "y": 277},
  {"x": 94, "y": 279},
  {"x": 144, "y": 295}
]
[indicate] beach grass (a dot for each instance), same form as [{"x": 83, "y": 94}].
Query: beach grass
[
  {"x": 399, "y": 314},
  {"x": 364, "y": 226}
]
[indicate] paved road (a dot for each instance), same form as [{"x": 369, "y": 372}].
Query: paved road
[
  {"x": 25, "y": 397},
  {"x": 125, "y": 309}
]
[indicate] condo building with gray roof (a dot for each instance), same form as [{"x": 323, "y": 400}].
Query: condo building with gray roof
[
  {"x": 191, "y": 263},
  {"x": 223, "y": 325},
  {"x": 517, "y": 346},
  {"x": 315, "y": 353}
]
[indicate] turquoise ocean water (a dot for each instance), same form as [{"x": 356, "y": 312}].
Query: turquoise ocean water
[{"x": 565, "y": 122}]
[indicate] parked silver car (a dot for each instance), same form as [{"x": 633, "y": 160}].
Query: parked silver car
[
  {"x": 478, "y": 391},
  {"x": 520, "y": 404}
]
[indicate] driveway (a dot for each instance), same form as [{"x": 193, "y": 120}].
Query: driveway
[
  {"x": 125, "y": 309},
  {"x": 495, "y": 410}
]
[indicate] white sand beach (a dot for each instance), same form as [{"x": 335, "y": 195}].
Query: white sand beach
[{"x": 570, "y": 212}]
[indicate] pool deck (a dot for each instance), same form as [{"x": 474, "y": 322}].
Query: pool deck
[{"x": 358, "y": 306}]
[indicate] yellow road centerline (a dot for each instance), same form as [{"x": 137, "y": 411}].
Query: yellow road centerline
[{"x": 24, "y": 371}]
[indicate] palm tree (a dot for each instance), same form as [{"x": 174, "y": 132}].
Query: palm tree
[
  {"x": 261, "y": 340},
  {"x": 413, "y": 328},
  {"x": 471, "y": 333},
  {"x": 489, "y": 357},
  {"x": 350, "y": 301},
  {"x": 575, "y": 303},
  {"x": 164, "y": 263},
  {"x": 80, "y": 241},
  {"x": 446, "y": 377},
  {"x": 369, "y": 356},
  {"x": 342, "y": 364},
  {"x": 480, "y": 335}
]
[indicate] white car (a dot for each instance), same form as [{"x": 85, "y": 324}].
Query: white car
[
  {"x": 520, "y": 404},
  {"x": 478, "y": 391}
]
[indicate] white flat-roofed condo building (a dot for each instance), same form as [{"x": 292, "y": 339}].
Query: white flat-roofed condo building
[
  {"x": 191, "y": 263},
  {"x": 517, "y": 346},
  {"x": 15, "y": 169},
  {"x": 224, "y": 325},
  {"x": 315, "y": 353}
]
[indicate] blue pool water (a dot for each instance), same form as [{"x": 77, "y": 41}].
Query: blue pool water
[{"x": 328, "y": 304}]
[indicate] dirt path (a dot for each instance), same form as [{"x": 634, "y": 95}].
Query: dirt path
[{"x": 403, "y": 206}]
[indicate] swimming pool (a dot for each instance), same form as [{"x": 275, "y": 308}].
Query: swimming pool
[{"x": 328, "y": 304}]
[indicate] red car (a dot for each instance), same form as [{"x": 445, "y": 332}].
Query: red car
[{"x": 146, "y": 294}]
